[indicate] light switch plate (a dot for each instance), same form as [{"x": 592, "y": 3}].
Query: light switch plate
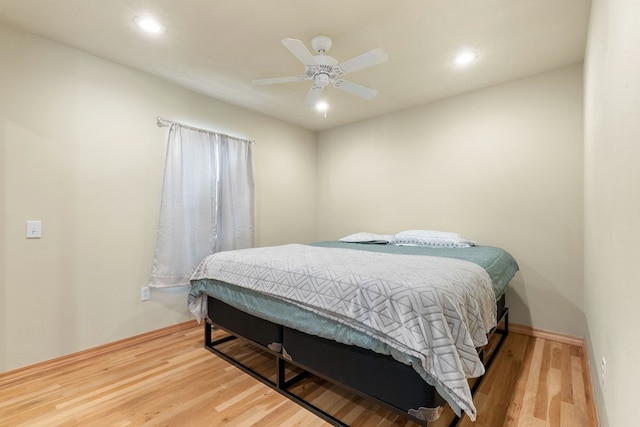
[{"x": 34, "y": 229}]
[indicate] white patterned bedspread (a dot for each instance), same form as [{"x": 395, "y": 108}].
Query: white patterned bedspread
[{"x": 435, "y": 309}]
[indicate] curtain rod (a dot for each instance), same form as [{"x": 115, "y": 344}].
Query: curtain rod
[{"x": 167, "y": 123}]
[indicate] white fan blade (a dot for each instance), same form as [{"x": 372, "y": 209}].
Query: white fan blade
[
  {"x": 367, "y": 59},
  {"x": 356, "y": 89},
  {"x": 313, "y": 96},
  {"x": 277, "y": 80},
  {"x": 299, "y": 50}
]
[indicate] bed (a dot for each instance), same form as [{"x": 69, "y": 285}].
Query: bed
[{"x": 348, "y": 312}]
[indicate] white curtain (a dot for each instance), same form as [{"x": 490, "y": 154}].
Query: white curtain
[{"x": 207, "y": 202}]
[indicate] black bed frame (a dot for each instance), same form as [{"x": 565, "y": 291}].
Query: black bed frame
[{"x": 353, "y": 368}]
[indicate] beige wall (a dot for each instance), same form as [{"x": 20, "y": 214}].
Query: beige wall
[
  {"x": 80, "y": 151},
  {"x": 502, "y": 166},
  {"x": 612, "y": 206}
]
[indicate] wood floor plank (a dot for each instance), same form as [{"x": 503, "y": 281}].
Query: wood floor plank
[
  {"x": 540, "y": 408},
  {"x": 173, "y": 381},
  {"x": 566, "y": 386},
  {"x": 579, "y": 401},
  {"x": 533, "y": 378},
  {"x": 553, "y": 395}
]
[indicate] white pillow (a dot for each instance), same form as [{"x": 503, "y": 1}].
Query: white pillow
[
  {"x": 364, "y": 237},
  {"x": 431, "y": 238}
]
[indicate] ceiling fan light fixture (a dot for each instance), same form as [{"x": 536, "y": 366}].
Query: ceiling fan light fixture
[
  {"x": 465, "y": 58},
  {"x": 149, "y": 24},
  {"x": 322, "y": 106}
]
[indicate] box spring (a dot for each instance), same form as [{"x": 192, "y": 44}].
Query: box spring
[
  {"x": 394, "y": 384},
  {"x": 244, "y": 325}
]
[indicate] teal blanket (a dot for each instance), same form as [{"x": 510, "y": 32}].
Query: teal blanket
[{"x": 498, "y": 263}]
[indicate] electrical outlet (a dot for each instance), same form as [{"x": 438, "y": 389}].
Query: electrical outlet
[
  {"x": 603, "y": 374},
  {"x": 145, "y": 293}
]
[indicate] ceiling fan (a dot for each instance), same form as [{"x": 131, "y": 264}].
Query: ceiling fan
[{"x": 323, "y": 69}]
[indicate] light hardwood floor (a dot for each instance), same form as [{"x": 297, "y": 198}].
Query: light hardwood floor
[{"x": 173, "y": 381}]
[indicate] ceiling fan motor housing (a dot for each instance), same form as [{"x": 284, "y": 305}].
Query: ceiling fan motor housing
[{"x": 321, "y": 79}]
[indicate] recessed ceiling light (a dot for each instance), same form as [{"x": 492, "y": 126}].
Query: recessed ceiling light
[
  {"x": 465, "y": 58},
  {"x": 149, "y": 24}
]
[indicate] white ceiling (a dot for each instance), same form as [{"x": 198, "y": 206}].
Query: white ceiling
[{"x": 217, "y": 47}]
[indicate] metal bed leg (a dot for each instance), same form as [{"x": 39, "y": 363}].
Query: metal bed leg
[
  {"x": 207, "y": 334},
  {"x": 280, "y": 379}
]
